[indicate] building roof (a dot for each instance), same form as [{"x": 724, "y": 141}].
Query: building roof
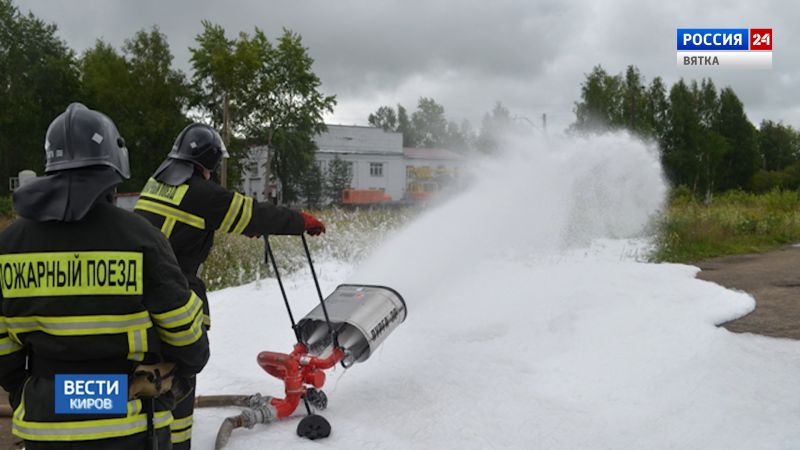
[
  {"x": 430, "y": 153},
  {"x": 359, "y": 139}
]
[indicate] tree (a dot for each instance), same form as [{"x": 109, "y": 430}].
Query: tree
[
  {"x": 493, "y": 127},
  {"x": 285, "y": 97},
  {"x": 385, "y": 118},
  {"x": 107, "y": 85},
  {"x": 656, "y": 110},
  {"x": 156, "y": 104},
  {"x": 404, "y": 126},
  {"x": 144, "y": 95},
  {"x": 600, "y": 107},
  {"x": 679, "y": 150},
  {"x": 778, "y": 145},
  {"x": 312, "y": 186},
  {"x": 293, "y": 155},
  {"x": 38, "y": 78},
  {"x": 338, "y": 178},
  {"x": 742, "y": 159},
  {"x": 633, "y": 102},
  {"x": 430, "y": 123},
  {"x": 224, "y": 70}
]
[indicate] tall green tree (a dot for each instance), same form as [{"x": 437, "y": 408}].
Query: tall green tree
[
  {"x": 142, "y": 92},
  {"x": 293, "y": 155},
  {"x": 38, "y": 79},
  {"x": 679, "y": 150},
  {"x": 600, "y": 107},
  {"x": 405, "y": 127},
  {"x": 107, "y": 85},
  {"x": 633, "y": 102},
  {"x": 338, "y": 178},
  {"x": 224, "y": 70},
  {"x": 494, "y": 126},
  {"x": 384, "y": 117},
  {"x": 742, "y": 159},
  {"x": 778, "y": 145},
  {"x": 656, "y": 110},
  {"x": 162, "y": 95},
  {"x": 285, "y": 97},
  {"x": 430, "y": 123},
  {"x": 312, "y": 186}
]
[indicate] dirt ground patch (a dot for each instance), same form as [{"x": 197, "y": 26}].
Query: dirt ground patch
[{"x": 773, "y": 279}]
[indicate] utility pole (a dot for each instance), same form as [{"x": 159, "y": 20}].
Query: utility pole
[
  {"x": 226, "y": 131},
  {"x": 544, "y": 122}
]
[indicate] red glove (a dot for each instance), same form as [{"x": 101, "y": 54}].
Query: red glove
[{"x": 313, "y": 226}]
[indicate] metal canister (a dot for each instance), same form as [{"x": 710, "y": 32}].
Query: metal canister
[{"x": 361, "y": 316}]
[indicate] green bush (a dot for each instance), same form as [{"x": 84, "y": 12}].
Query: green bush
[
  {"x": 6, "y": 206},
  {"x": 735, "y": 222}
]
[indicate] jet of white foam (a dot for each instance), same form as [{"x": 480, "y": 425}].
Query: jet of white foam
[{"x": 540, "y": 195}]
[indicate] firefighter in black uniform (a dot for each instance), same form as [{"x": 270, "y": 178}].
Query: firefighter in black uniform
[
  {"x": 89, "y": 288},
  {"x": 188, "y": 207}
]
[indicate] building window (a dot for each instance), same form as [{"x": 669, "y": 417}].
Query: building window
[{"x": 376, "y": 169}]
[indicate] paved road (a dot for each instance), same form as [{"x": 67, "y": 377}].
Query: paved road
[{"x": 773, "y": 279}]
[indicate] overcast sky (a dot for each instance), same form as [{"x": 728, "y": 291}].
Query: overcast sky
[{"x": 530, "y": 55}]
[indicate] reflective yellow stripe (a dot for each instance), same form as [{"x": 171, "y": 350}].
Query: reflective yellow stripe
[
  {"x": 164, "y": 192},
  {"x": 70, "y": 273},
  {"x": 134, "y": 407},
  {"x": 180, "y": 316},
  {"x": 137, "y": 345},
  {"x": 8, "y": 346},
  {"x": 207, "y": 320},
  {"x": 88, "y": 430},
  {"x": 180, "y": 436},
  {"x": 185, "y": 337},
  {"x": 167, "y": 226},
  {"x": 179, "y": 424},
  {"x": 80, "y": 325},
  {"x": 170, "y": 212},
  {"x": 247, "y": 213},
  {"x": 20, "y": 411},
  {"x": 233, "y": 211}
]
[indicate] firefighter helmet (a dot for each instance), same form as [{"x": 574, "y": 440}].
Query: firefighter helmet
[
  {"x": 197, "y": 144},
  {"x": 81, "y": 137},
  {"x": 200, "y": 144}
]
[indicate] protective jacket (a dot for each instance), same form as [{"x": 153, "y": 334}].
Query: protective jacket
[
  {"x": 189, "y": 214},
  {"x": 95, "y": 295}
]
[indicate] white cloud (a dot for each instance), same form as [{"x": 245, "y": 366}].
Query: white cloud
[{"x": 531, "y": 55}]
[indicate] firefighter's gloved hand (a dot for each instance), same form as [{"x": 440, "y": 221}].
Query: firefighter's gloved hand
[
  {"x": 313, "y": 226},
  {"x": 151, "y": 380}
]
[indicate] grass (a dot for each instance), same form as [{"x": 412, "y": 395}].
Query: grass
[
  {"x": 734, "y": 223},
  {"x": 350, "y": 236},
  {"x": 6, "y": 206}
]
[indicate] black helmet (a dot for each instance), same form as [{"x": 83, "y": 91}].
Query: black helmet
[
  {"x": 86, "y": 159},
  {"x": 196, "y": 144},
  {"x": 200, "y": 144},
  {"x": 81, "y": 137}
]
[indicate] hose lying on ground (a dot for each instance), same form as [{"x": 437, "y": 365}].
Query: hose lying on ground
[{"x": 215, "y": 401}]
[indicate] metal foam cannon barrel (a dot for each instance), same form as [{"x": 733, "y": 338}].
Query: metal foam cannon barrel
[{"x": 361, "y": 316}]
